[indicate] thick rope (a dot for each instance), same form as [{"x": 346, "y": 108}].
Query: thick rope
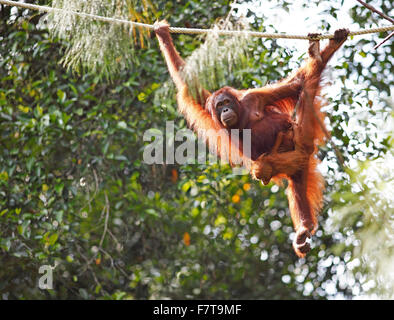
[{"x": 190, "y": 30}]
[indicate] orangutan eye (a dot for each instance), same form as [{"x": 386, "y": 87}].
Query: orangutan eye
[{"x": 223, "y": 103}]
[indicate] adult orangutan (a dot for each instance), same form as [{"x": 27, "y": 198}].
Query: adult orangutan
[{"x": 280, "y": 146}]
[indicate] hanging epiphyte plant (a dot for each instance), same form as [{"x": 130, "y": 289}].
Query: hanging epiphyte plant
[
  {"x": 216, "y": 60},
  {"x": 100, "y": 47}
]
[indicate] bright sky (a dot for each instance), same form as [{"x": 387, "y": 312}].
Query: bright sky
[{"x": 301, "y": 20}]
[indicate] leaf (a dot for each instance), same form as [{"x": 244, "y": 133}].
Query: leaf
[
  {"x": 228, "y": 234},
  {"x": 61, "y": 95},
  {"x": 186, "y": 186},
  {"x": 59, "y": 188},
  {"x": 120, "y": 157},
  {"x": 4, "y": 175},
  {"x": 5, "y": 244},
  {"x": 84, "y": 294},
  {"x": 29, "y": 163},
  {"x": 220, "y": 220},
  {"x": 122, "y": 125},
  {"x": 52, "y": 239},
  {"x": 42, "y": 198},
  {"x": 23, "y": 109},
  {"x": 59, "y": 216},
  {"x": 362, "y": 53},
  {"x": 98, "y": 289},
  {"x": 79, "y": 111},
  {"x": 152, "y": 212},
  {"x": 65, "y": 118},
  {"x": 142, "y": 96},
  {"x": 20, "y": 229}
]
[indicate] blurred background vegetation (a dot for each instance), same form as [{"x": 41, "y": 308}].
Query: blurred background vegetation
[{"x": 75, "y": 193}]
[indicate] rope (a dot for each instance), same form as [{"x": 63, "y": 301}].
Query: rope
[{"x": 190, "y": 30}]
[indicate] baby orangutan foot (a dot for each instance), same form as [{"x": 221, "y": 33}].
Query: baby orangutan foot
[{"x": 262, "y": 169}]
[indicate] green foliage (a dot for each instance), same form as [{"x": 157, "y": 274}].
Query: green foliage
[
  {"x": 75, "y": 193},
  {"x": 367, "y": 220}
]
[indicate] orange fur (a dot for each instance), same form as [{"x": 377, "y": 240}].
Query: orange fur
[
  {"x": 299, "y": 167},
  {"x": 208, "y": 130},
  {"x": 268, "y": 111}
]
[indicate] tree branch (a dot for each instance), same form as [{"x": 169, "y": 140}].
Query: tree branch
[
  {"x": 106, "y": 219},
  {"x": 384, "y": 40},
  {"x": 368, "y": 6}
]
